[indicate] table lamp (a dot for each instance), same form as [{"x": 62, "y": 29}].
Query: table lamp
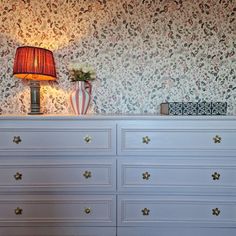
[{"x": 35, "y": 64}]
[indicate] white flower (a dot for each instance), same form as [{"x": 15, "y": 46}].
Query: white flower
[
  {"x": 93, "y": 75},
  {"x": 85, "y": 68},
  {"x": 81, "y": 72}
]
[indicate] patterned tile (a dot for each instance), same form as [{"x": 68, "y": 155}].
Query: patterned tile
[{"x": 204, "y": 108}]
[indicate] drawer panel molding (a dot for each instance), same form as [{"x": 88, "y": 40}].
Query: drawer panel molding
[
  {"x": 79, "y": 141},
  {"x": 90, "y": 176},
  {"x": 80, "y": 210},
  {"x": 152, "y": 210},
  {"x": 136, "y": 175}
]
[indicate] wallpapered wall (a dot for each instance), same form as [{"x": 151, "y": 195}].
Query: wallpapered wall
[{"x": 145, "y": 51}]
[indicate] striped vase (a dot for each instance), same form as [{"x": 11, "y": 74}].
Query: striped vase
[{"x": 80, "y": 97}]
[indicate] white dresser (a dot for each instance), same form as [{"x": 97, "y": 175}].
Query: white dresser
[{"x": 117, "y": 175}]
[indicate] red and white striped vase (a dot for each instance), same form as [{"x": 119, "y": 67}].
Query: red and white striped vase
[{"x": 80, "y": 97}]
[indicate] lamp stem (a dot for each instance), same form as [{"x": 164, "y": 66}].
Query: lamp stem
[{"x": 35, "y": 98}]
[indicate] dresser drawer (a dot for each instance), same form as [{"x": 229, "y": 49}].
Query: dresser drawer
[
  {"x": 148, "y": 174},
  {"x": 84, "y": 174},
  {"x": 158, "y": 139},
  {"x": 58, "y": 231},
  {"x": 152, "y": 210},
  {"x": 80, "y": 138},
  {"x": 93, "y": 210}
]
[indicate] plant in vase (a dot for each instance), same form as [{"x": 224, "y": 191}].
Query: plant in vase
[{"x": 80, "y": 98}]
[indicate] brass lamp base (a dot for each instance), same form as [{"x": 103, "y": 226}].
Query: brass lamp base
[{"x": 35, "y": 98}]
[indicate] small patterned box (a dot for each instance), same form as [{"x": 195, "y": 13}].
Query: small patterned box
[{"x": 194, "y": 108}]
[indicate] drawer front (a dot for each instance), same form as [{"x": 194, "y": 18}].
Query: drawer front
[
  {"x": 152, "y": 176},
  {"x": 58, "y": 231},
  {"x": 151, "y": 210},
  {"x": 146, "y": 139},
  {"x": 92, "y": 138},
  {"x": 93, "y": 210},
  {"x": 175, "y": 231},
  {"x": 89, "y": 175}
]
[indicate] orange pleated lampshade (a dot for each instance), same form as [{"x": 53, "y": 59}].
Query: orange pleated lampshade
[{"x": 34, "y": 63}]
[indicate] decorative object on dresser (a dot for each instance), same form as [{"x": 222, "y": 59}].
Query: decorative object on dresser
[
  {"x": 35, "y": 64},
  {"x": 194, "y": 108},
  {"x": 81, "y": 96},
  {"x": 118, "y": 175}
]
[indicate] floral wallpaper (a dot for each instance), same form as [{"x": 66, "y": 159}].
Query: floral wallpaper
[{"x": 144, "y": 52}]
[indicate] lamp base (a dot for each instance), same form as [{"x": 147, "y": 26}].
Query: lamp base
[
  {"x": 35, "y": 113},
  {"x": 35, "y": 98}
]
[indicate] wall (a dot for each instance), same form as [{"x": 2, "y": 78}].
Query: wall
[{"x": 145, "y": 51}]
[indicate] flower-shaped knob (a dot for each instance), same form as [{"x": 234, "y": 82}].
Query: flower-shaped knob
[
  {"x": 146, "y": 175},
  {"x": 217, "y": 139},
  {"x": 146, "y": 139},
  {"x": 87, "y": 174},
  {"x": 18, "y": 176},
  {"x": 215, "y": 176},
  {"x": 16, "y": 139},
  {"x": 215, "y": 211},
  {"x": 145, "y": 211},
  {"x": 18, "y": 211}
]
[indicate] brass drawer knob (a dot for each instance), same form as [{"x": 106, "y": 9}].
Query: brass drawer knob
[
  {"x": 215, "y": 211},
  {"x": 217, "y": 139},
  {"x": 16, "y": 139},
  {"x": 146, "y": 176},
  {"x": 146, "y": 139},
  {"x": 215, "y": 176},
  {"x": 87, "y": 210},
  {"x": 145, "y": 211},
  {"x": 87, "y": 174},
  {"x": 18, "y": 211},
  {"x": 87, "y": 139},
  {"x": 18, "y": 176}
]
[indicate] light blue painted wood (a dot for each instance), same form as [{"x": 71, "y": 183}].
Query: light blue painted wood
[
  {"x": 179, "y": 137},
  {"x": 47, "y": 137},
  {"x": 178, "y": 153},
  {"x": 176, "y": 210},
  {"x": 155, "y": 175},
  {"x": 60, "y": 210},
  {"x": 85, "y": 174}
]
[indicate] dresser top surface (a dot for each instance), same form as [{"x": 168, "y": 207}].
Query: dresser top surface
[{"x": 113, "y": 117}]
